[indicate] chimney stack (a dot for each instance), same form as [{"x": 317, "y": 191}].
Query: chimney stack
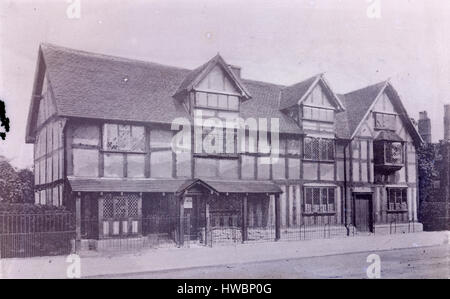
[
  {"x": 447, "y": 122},
  {"x": 424, "y": 126},
  {"x": 236, "y": 70}
]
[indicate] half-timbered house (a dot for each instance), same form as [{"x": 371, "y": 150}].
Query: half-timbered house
[{"x": 103, "y": 131}]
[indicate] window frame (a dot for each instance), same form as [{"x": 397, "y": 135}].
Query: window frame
[
  {"x": 326, "y": 209},
  {"x": 229, "y": 106},
  {"x": 321, "y": 142},
  {"x": 122, "y": 150},
  {"x": 384, "y": 126},
  {"x": 319, "y": 109},
  {"x": 392, "y": 204}
]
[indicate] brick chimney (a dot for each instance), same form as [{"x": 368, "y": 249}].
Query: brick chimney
[
  {"x": 447, "y": 122},
  {"x": 236, "y": 70},
  {"x": 424, "y": 126}
]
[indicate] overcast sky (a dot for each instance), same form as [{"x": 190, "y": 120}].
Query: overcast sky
[{"x": 272, "y": 40}]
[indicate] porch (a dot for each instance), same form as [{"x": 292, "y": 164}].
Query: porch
[{"x": 155, "y": 213}]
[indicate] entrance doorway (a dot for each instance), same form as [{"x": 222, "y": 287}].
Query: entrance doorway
[{"x": 362, "y": 215}]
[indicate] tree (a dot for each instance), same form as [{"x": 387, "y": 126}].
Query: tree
[
  {"x": 26, "y": 179},
  {"x": 10, "y": 186}
]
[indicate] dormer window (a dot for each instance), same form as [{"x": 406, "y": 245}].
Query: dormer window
[
  {"x": 385, "y": 121},
  {"x": 216, "y": 101},
  {"x": 316, "y": 113}
]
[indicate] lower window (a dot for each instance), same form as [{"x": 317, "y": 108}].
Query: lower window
[
  {"x": 397, "y": 199},
  {"x": 319, "y": 200}
]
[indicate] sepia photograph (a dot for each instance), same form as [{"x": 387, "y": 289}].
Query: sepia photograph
[{"x": 224, "y": 145}]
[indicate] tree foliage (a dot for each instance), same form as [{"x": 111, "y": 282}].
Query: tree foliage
[{"x": 15, "y": 185}]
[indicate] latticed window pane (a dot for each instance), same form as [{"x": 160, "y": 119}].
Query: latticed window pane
[
  {"x": 293, "y": 146},
  {"x": 315, "y": 149},
  {"x": 331, "y": 200},
  {"x": 137, "y": 139},
  {"x": 316, "y": 199},
  {"x": 112, "y": 141},
  {"x": 394, "y": 152},
  {"x": 308, "y": 200},
  {"x": 324, "y": 199},
  {"x": 133, "y": 201},
  {"x": 108, "y": 207},
  {"x": 124, "y": 137},
  {"x": 120, "y": 207},
  {"x": 308, "y": 148}
]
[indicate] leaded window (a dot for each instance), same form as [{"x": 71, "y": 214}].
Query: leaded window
[
  {"x": 126, "y": 138},
  {"x": 319, "y": 200},
  {"x": 397, "y": 199},
  {"x": 319, "y": 149}
]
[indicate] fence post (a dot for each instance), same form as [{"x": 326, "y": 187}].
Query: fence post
[
  {"x": 78, "y": 221},
  {"x": 277, "y": 217},
  {"x": 244, "y": 231}
]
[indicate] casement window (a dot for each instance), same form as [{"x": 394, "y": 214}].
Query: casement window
[
  {"x": 397, "y": 199},
  {"x": 316, "y": 113},
  {"x": 393, "y": 152},
  {"x": 319, "y": 200},
  {"x": 123, "y": 138},
  {"x": 388, "y": 153},
  {"x": 385, "y": 121},
  {"x": 218, "y": 142},
  {"x": 120, "y": 214},
  {"x": 216, "y": 101},
  {"x": 319, "y": 149},
  {"x": 293, "y": 147}
]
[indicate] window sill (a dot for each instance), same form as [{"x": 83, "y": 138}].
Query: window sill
[
  {"x": 121, "y": 152},
  {"x": 397, "y": 211},
  {"x": 318, "y": 213},
  {"x": 318, "y": 161},
  {"x": 226, "y": 156}
]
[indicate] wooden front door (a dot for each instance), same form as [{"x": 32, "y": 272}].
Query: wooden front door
[{"x": 363, "y": 212}]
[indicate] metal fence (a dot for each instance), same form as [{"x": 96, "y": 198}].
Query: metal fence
[{"x": 28, "y": 235}]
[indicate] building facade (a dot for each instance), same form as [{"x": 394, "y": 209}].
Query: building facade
[{"x": 253, "y": 155}]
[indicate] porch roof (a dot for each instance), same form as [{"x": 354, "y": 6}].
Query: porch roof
[
  {"x": 221, "y": 186},
  {"x": 169, "y": 185},
  {"x": 124, "y": 185}
]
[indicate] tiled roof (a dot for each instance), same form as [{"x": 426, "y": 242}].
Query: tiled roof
[
  {"x": 88, "y": 85},
  {"x": 124, "y": 185},
  {"x": 388, "y": 136},
  {"x": 292, "y": 94},
  {"x": 356, "y": 104}
]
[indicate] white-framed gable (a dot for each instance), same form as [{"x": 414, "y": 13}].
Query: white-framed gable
[
  {"x": 217, "y": 80},
  {"x": 318, "y": 98},
  {"x": 320, "y": 94}
]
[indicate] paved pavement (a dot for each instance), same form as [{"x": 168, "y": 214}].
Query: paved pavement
[
  {"x": 185, "y": 258},
  {"x": 418, "y": 263}
]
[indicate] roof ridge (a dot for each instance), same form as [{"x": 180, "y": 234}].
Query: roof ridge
[{"x": 368, "y": 86}]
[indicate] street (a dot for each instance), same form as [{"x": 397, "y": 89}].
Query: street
[{"x": 423, "y": 262}]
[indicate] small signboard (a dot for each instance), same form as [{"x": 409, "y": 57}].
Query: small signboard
[{"x": 188, "y": 202}]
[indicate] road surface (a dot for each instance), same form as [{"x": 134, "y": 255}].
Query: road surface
[{"x": 424, "y": 262}]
